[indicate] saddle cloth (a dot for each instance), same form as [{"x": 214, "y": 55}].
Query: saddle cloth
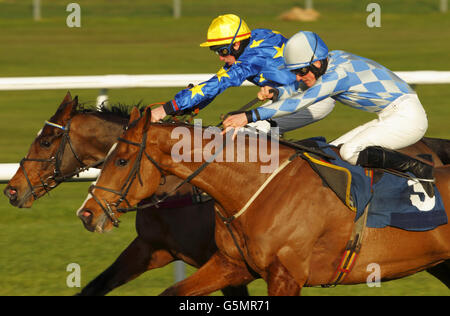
[{"x": 394, "y": 201}]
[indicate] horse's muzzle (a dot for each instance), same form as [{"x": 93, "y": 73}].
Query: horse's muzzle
[{"x": 12, "y": 194}]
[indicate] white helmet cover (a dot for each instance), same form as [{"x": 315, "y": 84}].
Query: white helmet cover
[{"x": 303, "y": 49}]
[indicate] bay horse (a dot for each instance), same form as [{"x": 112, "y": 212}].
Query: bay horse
[
  {"x": 161, "y": 237},
  {"x": 292, "y": 234}
]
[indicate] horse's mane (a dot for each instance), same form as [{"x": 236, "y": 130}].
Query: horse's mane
[{"x": 117, "y": 109}]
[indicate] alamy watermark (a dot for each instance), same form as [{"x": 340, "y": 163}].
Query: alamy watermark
[
  {"x": 250, "y": 147},
  {"x": 374, "y": 278},
  {"x": 74, "y": 18},
  {"x": 374, "y": 18},
  {"x": 74, "y": 278}
]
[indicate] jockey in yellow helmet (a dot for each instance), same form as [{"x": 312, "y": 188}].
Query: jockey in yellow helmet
[{"x": 224, "y": 31}]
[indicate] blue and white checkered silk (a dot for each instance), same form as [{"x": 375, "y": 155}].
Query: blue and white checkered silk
[{"x": 353, "y": 80}]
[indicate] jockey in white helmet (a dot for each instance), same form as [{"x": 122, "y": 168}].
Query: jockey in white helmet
[{"x": 362, "y": 84}]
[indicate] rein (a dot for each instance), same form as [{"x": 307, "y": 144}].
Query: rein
[{"x": 132, "y": 176}]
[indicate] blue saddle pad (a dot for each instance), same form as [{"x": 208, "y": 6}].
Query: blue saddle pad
[{"x": 394, "y": 201}]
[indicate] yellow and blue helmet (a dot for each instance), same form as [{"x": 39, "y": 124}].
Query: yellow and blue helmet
[{"x": 226, "y": 29}]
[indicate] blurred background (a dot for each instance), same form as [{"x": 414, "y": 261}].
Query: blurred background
[{"x": 163, "y": 37}]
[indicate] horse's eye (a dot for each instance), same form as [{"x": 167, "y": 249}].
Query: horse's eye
[
  {"x": 121, "y": 162},
  {"x": 45, "y": 143}
]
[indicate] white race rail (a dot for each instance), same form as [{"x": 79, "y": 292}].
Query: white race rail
[
  {"x": 148, "y": 81},
  {"x": 154, "y": 81},
  {"x": 101, "y": 82}
]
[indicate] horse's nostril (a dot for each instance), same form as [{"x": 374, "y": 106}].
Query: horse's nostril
[
  {"x": 11, "y": 193},
  {"x": 86, "y": 216}
]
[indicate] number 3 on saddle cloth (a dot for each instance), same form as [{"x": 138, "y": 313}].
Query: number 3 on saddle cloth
[{"x": 394, "y": 201}]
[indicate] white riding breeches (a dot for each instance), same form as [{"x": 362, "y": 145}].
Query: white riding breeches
[{"x": 400, "y": 124}]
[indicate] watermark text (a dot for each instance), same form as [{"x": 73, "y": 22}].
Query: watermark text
[
  {"x": 207, "y": 144},
  {"x": 74, "y": 18},
  {"x": 374, "y": 18}
]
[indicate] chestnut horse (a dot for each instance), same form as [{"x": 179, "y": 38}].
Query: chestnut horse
[
  {"x": 161, "y": 237},
  {"x": 292, "y": 234}
]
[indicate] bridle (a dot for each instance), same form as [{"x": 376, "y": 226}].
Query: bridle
[
  {"x": 134, "y": 173},
  {"x": 57, "y": 176},
  {"x": 123, "y": 192}
]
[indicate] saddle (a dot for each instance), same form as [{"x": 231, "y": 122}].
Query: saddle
[{"x": 390, "y": 200}]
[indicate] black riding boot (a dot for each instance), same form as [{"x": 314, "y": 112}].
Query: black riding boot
[{"x": 378, "y": 157}]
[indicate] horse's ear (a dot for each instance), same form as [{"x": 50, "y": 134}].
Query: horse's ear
[
  {"x": 74, "y": 106},
  {"x": 134, "y": 115},
  {"x": 147, "y": 118},
  {"x": 65, "y": 110},
  {"x": 67, "y": 99},
  {"x": 68, "y": 110}
]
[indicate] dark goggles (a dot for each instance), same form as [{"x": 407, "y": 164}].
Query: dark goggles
[
  {"x": 304, "y": 70},
  {"x": 301, "y": 71},
  {"x": 221, "y": 50}
]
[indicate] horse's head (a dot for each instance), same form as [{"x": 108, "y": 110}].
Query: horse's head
[
  {"x": 41, "y": 166},
  {"x": 121, "y": 183}
]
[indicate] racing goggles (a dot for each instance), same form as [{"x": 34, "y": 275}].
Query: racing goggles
[
  {"x": 301, "y": 71},
  {"x": 221, "y": 50}
]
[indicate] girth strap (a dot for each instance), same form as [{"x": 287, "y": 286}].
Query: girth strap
[{"x": 351, "y": 251}]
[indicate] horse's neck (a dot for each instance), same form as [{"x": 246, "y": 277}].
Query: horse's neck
[
  {"x": 231, "y": 183},
  {"x": 100, "y": 134}
]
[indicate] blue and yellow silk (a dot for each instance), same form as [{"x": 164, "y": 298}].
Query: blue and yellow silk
[{"x": 259, "y": 63}]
